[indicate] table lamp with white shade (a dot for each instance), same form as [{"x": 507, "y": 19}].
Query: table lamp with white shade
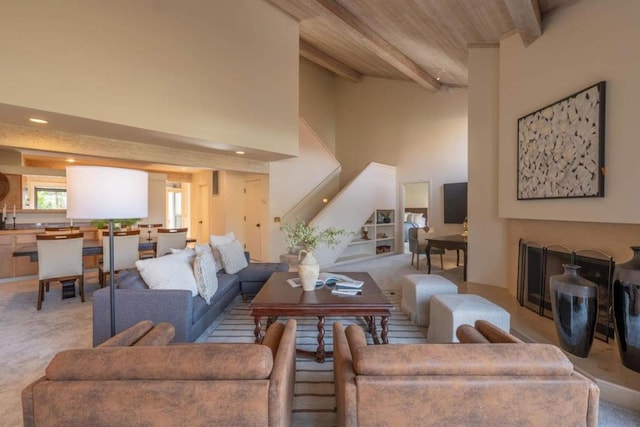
[{"x": 96, "y": 192}]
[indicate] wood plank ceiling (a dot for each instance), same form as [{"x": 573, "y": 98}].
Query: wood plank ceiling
[{"x": 425, "y": 41}]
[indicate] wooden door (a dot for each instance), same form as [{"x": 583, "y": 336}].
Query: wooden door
[
  {"x": 202, "y": 231},
  {"x": 253, "y": 208}
]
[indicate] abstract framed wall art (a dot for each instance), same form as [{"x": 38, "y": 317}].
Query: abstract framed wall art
[{"x": 561, "y": 148}]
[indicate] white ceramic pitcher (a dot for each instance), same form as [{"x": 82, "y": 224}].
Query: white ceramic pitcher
[{"x": 308, "y": 270}]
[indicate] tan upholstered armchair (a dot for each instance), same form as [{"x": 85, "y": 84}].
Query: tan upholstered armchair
[
  {"x": 136, "y": 379},
  {"x": 489, "y": 384},
  {"x": 418, "y": 245}
]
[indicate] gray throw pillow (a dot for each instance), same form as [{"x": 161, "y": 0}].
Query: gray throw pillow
[{"x": 232, "y": 255}]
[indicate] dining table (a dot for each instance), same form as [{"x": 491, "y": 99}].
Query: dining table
[{"x": 89, "y": 247}]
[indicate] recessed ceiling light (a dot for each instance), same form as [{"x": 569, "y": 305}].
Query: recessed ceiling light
[
  {"x": 40, "y": 121},
  {"x": 71, "y": 160},
  {"x": 239, "y": 152}
]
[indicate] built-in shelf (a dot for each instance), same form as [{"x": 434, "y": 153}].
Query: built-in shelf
[{"x": 380, "y": 232}]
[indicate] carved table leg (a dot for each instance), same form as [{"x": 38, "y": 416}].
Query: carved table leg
[
  {"x": 374, "y": 331},
  {"x": 385, "y": 330},
  {"x": 258, "y": 329},
  {"x": 320, "y": 354},
  {"x": 369, "y": 320}
]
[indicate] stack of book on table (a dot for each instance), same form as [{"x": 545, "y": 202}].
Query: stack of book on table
[
  {"x": 342, "y": 285},
  {"x": 348, "y": 288}
]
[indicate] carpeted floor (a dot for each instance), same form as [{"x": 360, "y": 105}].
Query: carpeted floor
[{"x": 29, "y": 339}]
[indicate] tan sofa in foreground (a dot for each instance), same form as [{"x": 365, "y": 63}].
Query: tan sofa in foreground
[
  {"x": 506, "y": 383},
  {"x": 134, "y": 379}
]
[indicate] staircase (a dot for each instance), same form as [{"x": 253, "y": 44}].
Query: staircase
[
  {"x": 374, "y": 188},
  {"x": 318, "y": 171}
]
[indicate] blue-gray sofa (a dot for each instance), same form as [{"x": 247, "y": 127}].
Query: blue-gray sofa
[{"x": 190, "y": 315}]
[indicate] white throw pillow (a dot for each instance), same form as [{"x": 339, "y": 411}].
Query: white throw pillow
[
  {"x": 202, "y": 248},
  {"x": 173, "y": 271},
  {"x": 191, "y": 254},
  {"x": 216, "y": 241},
  {"x": 232, "y": 255},
  {"x": 204, "y": 270}
]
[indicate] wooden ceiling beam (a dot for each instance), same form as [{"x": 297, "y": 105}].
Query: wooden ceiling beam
[
  {"x": 527, "y": 19},
  {"x": 317, "y": 56},
  {"x": 381, "y": 47}
]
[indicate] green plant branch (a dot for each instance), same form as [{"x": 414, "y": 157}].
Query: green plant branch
[{"x": 301, "y": 234}]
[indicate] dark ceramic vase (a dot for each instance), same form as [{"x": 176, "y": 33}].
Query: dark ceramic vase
[
  {"x": 626, "y": 310},
  {"x": 574, "y": 301}
]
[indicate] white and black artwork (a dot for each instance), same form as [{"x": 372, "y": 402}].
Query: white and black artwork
[{"x": 561, "y": 148}]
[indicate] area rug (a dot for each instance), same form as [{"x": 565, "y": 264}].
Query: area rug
[{"x": 314, "y": 400}]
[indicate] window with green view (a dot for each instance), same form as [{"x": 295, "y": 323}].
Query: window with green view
[{"x": 51, "y": 198}]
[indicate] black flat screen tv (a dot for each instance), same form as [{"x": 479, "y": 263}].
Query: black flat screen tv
[{"x": 455, "y": 202}]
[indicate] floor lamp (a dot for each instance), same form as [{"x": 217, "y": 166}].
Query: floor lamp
[{"x": 96, "y": 192}]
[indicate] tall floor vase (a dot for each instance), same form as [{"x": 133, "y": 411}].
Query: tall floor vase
[
  {"x": 626, "y": 310},
  {"x": 574, "y": 301}
]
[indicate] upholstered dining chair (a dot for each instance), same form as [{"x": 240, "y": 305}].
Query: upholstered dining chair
[
  {"x": 61, "y": 230},
  {"x": 418, "y": 245},
  {"x": 125, "y": 253},
  {"x": 59, "y": 260},
  {"x": 148, "y": 232},
  {"x": 170, "y": 238}
]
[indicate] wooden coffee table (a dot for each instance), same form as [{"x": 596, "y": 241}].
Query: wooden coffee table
[{"x": 278, "y": 298}]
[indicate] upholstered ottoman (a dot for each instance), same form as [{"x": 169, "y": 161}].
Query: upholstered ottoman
[
  {"x": 450, "y": 311},
  {"x": 417, "y": 290}
]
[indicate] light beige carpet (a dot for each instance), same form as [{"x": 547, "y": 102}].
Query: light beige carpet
[{"x": 30, "y": 338}]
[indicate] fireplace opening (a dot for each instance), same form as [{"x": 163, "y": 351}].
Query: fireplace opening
[{"x": 537, "y": 263}]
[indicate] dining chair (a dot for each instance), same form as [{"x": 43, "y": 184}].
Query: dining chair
[
  {"x": 59, "y": 260},
  {"x": 61, "y": 230},
  {"x": 148, "y": 232},
  {"x": 418, "y": 245},
  {"x": 125, "y": 253},
  {"x": 170, "y": 238}
]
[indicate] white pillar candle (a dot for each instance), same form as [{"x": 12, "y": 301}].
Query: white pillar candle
[
  {"x": 14, "y": 211},
  {"x": 4, "y": 211}
]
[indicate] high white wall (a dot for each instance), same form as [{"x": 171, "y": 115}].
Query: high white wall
[
  {"x": 423, "y": 134},
  {"x": 416, "y": 195},
  {"x": 486, "y": 240},
  {"x": 221, "y": 71},
  {"x": 590, "y": 41},
  {"x": 318, "y": 101}
]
